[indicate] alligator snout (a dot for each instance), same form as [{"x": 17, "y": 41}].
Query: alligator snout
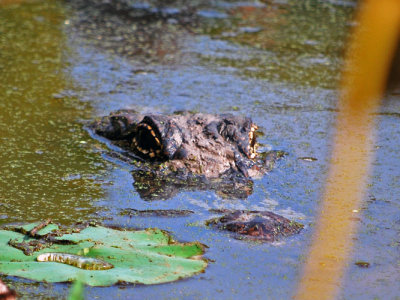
[{"x": 205, "y": 144}]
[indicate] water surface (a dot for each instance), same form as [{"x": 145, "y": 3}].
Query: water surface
[{"x": 276, "y": 61}]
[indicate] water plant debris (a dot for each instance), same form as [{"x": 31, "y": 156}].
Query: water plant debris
[{"x": 96, "y": 255}]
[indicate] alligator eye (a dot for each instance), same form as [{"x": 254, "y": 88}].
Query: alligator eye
[
  {"x": 147, "y": 141},
  {"x": 252, "y": 141}
]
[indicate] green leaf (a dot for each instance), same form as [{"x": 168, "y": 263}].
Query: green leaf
[
  {"x": 77, "y": 291},
  {"x": 145, "y": 256}
]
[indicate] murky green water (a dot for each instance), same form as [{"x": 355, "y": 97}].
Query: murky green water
[
  {"x": 63, "y": 64},
  {"x": 298, "y": 42},
  {"x": 45, "y": 167}
]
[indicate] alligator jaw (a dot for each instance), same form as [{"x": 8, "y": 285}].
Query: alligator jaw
[{"x": 147, "y": 141}]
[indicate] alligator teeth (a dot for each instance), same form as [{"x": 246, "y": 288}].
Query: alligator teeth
[
  {"x": 152, "y": 154},
  {"x": 149, "y": 127},
  {"x": 157, "y": 140},
  {"x": 153, "y": 133},
  {"x": 145, "y": 151}
]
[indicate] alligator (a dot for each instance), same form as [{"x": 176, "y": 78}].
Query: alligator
[
  {"x": 187, "y": 150},
  {"x": 197, "y": 151},
  {"x": 200, "y": 151}
]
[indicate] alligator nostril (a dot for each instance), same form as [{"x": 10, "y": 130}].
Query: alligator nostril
[{"x": 181, "y": 153}]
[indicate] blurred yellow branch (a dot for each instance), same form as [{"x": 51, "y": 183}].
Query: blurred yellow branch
[{"x": 367, "y": 65}]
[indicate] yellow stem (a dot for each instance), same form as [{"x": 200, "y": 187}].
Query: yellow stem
[{"x": 367, "y": 65}]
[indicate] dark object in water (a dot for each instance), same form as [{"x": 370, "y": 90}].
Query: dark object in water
[
  {"x": 35, "y": 242},
  {"x": 362, "y": 264},
  {"x": 156, "y": 212},
  {"x": 205, "y": 144},
  {"x": 199, "y": 150},
  {"x": 30, "y": 247},
  {"x": 257, "y": 225},
  {"x": 37, "y": 228}
]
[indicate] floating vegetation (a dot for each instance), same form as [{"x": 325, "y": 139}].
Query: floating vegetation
[{"x": 139, "y": 256}]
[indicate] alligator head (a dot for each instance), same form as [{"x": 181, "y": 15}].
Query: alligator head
[{"x": 205, "y": 145}]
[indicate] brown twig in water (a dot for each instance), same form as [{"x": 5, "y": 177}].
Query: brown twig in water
[
  {"x": 39, "y": 227},
  {"x": 40, "y": 242},
  {"x": 24, "y": 247}
]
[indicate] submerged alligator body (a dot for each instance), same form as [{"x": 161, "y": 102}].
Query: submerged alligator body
[{"x": 255, "y": 225}]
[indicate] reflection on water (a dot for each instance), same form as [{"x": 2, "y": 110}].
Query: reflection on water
[
  {"x": 151, "y": 188},
  {"x": 298, "y": 42},
  {"x": 143, "y": 32},
  {"x": 45, "y": 170}
]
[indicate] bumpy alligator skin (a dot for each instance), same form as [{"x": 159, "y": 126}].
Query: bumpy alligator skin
[{"x": 221, "y": 149}]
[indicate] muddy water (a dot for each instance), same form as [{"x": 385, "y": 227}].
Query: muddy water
[
  {"x": 45, "y": 168},
  {"x": 63, "y": 64}
]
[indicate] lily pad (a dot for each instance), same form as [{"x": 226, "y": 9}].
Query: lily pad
[{"x": 148, "y": 256}]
